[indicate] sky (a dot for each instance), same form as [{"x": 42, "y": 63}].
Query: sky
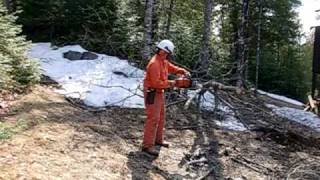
[{"x": 308, "y": 15}]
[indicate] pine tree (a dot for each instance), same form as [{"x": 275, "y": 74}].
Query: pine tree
[{"x": 17, "y": 71}]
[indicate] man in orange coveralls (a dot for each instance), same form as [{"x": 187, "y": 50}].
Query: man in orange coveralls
[{"x": 155, "y": 82}]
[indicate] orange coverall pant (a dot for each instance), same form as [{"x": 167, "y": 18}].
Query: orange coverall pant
[
  {"x": 154, "y": 125},
  {"x": 157, "y": 78}
]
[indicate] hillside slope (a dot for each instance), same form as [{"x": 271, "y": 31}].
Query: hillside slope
[{"x": 61, "y": 141}]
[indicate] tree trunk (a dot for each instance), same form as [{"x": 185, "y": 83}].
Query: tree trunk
[
  {"x": 146, "y": 52},
  {"x": 234, "y": 40},
  {"x": 258, "y": 43},
  {"x": 155, "y": 21},
  {"x": 242, "y": 63},
  {"x": 169, "y": 18},
  {"x": 203, "y": 64}
]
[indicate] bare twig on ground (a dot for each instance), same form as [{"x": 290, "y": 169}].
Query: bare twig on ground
[
  {"x": 133, "y": 91},
  {"x": 206, "y": 174},
  {"x": 183, "y": 127},
  {"x": 258, "y": 170},
  {"x": 176, "y": 103},
  {"x": 197, "y": 161}
]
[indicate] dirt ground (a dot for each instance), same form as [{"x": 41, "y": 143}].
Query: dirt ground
[{"x": 61, "y": 141}]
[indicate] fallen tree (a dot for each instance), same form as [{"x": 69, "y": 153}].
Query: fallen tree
[
  {"x": 209, "y": 86},
  {"x": 254, "y": 114}
]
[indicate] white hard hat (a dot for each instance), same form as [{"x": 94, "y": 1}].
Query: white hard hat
[{"x": 166, "y": 45}]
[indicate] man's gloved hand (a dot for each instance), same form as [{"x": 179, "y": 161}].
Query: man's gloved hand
[
  {"x": 187, "y": 74},
  {"x": 172, "y": 83}
]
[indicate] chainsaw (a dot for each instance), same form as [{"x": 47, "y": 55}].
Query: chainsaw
[{"x": 185, "y": 82}]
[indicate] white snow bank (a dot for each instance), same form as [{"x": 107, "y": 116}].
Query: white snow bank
[
  {"x": 306, "y": 118},
  {"x": 281, "y": 98},
  {"x": 229, "y": 121},
  {"x": 93, "y": 81}
]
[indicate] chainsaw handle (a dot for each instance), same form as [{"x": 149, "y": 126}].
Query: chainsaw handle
[{"x": 186, "y": 75}]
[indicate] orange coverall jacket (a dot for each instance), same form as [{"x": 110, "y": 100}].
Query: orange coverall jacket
[
  {"x": 157, "y": 73},
  {"x": 156, "y": 78}
]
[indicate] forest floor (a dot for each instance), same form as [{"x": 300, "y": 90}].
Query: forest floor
[{"x": 46, "y": 137}]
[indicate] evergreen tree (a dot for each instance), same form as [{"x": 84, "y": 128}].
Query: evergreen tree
[
  {"x": 17, "y": 71},
  {"x": 282, "y": 63}
]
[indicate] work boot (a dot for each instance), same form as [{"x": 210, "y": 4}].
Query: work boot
[
  {"x": 151, "y": 151},
  {"x": 163, "y": 144}
]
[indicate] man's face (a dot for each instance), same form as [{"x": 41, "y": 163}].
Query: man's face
[{"x": 163, "y": 54}]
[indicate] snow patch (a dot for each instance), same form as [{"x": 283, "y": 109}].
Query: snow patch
[
  {"x": 231, "y": 123},
  {"x": 306, "y": 118},
  {"x": 93, "y": 81},
  {"x": 281, "y": 98}
]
